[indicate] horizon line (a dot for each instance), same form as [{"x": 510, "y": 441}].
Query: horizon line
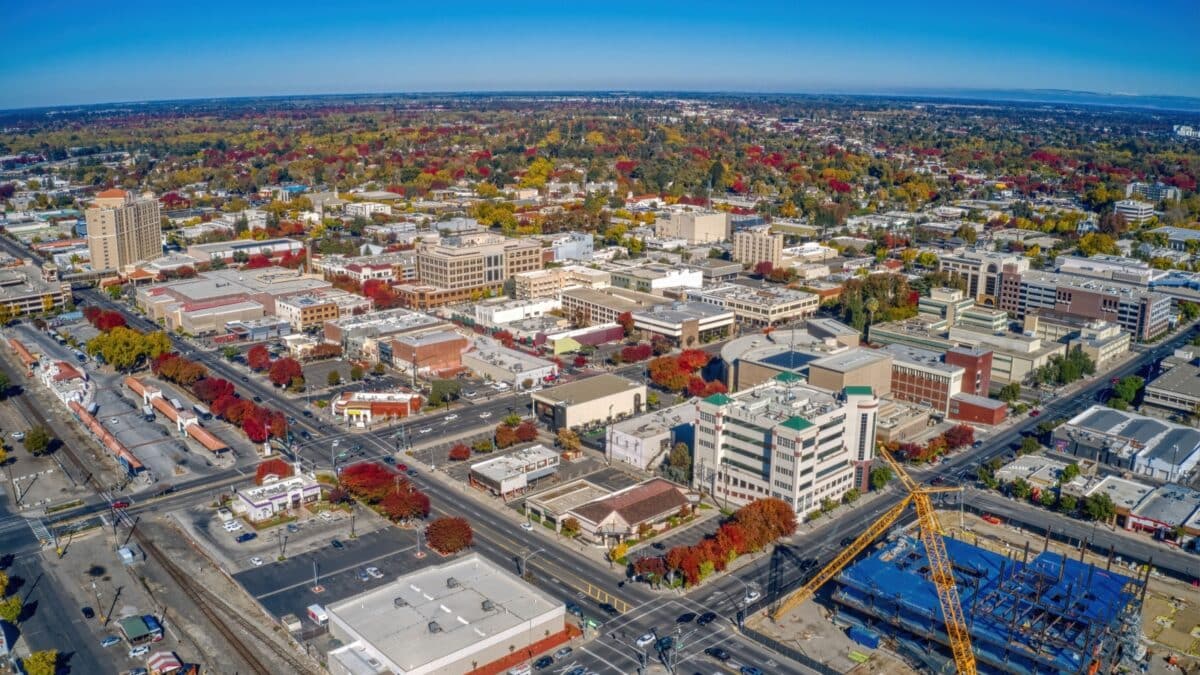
[{"x": 1120, "y": 99}]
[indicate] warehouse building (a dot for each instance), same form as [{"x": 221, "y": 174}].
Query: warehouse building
[
  {"x": 463, "y": 616},
  {"x": 1143, "y": 445},
  {"x": 592, "y": 400}
]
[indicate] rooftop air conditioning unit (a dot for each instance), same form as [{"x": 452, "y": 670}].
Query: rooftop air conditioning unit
[
  {"x": 399, "y": 602},
  {"x": 487, "y": 605},
  {"x": 451, "y": 582},
  {"x": 434, "y": 627}
]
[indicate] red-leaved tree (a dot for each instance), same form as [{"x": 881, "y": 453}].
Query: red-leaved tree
[
  {"x": 272, "y": 467},
  {"x": 258, "y": 357},
  {"x": 460, "y": 453},
  {"x": 448, "y": 534},
  {"x": 284, "y": 370}
]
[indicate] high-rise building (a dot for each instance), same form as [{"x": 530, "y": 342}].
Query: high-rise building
[
  {"x": 751, "y": 247},
  {"x": 785, "y": 439},
  {"x": 981, "y": 272},
  {"x": 1133, "y": 211},
  {"x": 1155, "y": 192},
  {"x": 123, "y": 230}
]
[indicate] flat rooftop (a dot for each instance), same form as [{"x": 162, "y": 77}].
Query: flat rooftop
[
  {"x": 588, "y": 389},
  {"x": 470, "y": 599},
  {"x": 273, "y": 281},
  {"x": 783, "y": 400},
  {"x": 1181, "y": 379},
  {"x": 563, "y": 498},
  {"x": 1169, "y": 504},
  {"x": 618, "y": 299},
  {"x": 1158, "y": 439},
  {"x": 851, "y": 360},
  {"x": 679, "y": 312},
  {"x": 507, "y": 359},
  {"x": 657, "y": 422},
  {"x": 925, "y": 358},
  {"x": 515, "y": 464},
  {"x": 1124, "y": 493}
]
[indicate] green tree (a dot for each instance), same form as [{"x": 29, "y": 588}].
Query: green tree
[
  {"x": 652, "y": 399},
  {"x": 37, "y": 441},
  {"x": 1128, "y": 388},
  {"x": 443, "y": 392},
  {"x": 1020, "y": 489},
  {"x": 334, "y": 378},
  {"x": 230, "y": 353},
  {"x": 880, "y": 476},
  {"x": 1067, "y": 504},
  {"x": 1047, "y": 499},
  {"x": 4, "y": 386},
  {"x": 1098, "y": 506},
  {"x": 851, "y": 496},
  {"x": 1010, "y": 392},
  {"x": 356, "y": 372},
  {"x": 1029, "y": 445},
  {"x": 1069, "y": 473},
  {"x": 41, "y": 663}
]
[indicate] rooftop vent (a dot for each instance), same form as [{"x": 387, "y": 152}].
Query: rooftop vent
[
  {"x": 399, "y": 602},
  {"x": 434, "y": 627},
  {"x": 488, "y": 605},
  {"x": 451, "y": 582}
]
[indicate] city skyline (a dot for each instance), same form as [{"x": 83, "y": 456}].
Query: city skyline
[{"x": 138, "y": 53}]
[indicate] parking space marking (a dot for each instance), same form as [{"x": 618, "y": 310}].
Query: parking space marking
[{"x": 336, "y": 572}]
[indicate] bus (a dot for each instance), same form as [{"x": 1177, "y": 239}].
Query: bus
[{"x": 203, "y": 412}]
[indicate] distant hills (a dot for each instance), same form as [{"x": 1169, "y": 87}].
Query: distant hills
[{"x": 1059, "y": 96}]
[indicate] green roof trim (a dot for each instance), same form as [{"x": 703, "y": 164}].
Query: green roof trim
[
  {"x": 859, "y": 391},
  {"x": 787, "y": 376},
  {"x": 718, "y": 399},
  {"x": 797, "y": 423}
]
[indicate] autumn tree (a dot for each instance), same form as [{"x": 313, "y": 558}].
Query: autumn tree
[
  {"x": 568, "y": 440},
  {"x": 460, "y": 453},
  {"x": 448, "y": 534},
  {"x": 405, "y": 503},
  {"x": 44, "y": 662},
  {"x": 258, "y": 358},
  {"x": 272, "y": 467},
  {"x": 284, "y": 370},
  {"x": 570, "y": 527},
  {"x": 334, "y": 378}
]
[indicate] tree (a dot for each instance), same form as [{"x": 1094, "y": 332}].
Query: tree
[
  {"x": 851, "y": 496},
  {"x": 1128, "y": 388},
  {"x": 652, "y": 399},
  {"x": 625, "y": 319},
  {"x": 443, "y": 392},
  {"x": 959, "y": 436},
  {"x": 284, "y": 370},
  {"x": 527, "y": 432},
  {"x": 448, "y": 534},
  {"x": 764, "y": 268},
  {"x": 1010, "y": 392},
  {"x": 680, "y": 457},
  {"x": 272, "y": 467},
  {"x": 379, "y": 368},
  {"x": 1067, "y": 504},
  {"x": 617, "y": 553},
  {"x": 568, "y": 440},
  {"x": 570, "y": 527},
  {"x": 37, "y": 441},
  {"x": 3, "y": 459},
  {"x": 880, "y": 476},
  {"x": 10, "y": 608},
  {"x": 405, "y": 503},
  {"x": 1098, "y": 506},
  {"x": 4, "y": 386},
  {"x": 1029, "y": 445},
  {"x": 258, "y": 358},
  {"x": 1069, "y": 473},
  {"x": 1020, "y": 489},
  {"x": 44, "y": 662},
  {"x": 334, "y": 378},
  {"x": 356, "y": 372},
  {"x": 460, "y": 452}
]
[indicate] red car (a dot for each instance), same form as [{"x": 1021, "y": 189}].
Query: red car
[
  {"x": 402, "y": 467},
  {"x": 1035, "y": 413},
  {"x": 987, "y": 517},
  {"x": 120, "y": 504}
]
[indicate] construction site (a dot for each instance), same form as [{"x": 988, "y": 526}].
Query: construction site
[
  {"x": 1044, "y": 613},
  {"x": 917, "y": 599}
]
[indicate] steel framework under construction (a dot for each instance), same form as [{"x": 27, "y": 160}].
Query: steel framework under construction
[{"x": 1048, "y": 614}]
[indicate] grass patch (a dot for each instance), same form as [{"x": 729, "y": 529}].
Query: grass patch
[{"x": 64, "y": 506}]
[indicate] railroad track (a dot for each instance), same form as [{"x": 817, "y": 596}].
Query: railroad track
[{"x": 213, "y": 609}]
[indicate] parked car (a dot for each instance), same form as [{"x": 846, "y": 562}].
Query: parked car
[
  {"x": 609, "y": 609},
  {"x": 88, "y": 613},
  {"x": 562, "y": 653},
  {"x": 686, "y": 617},
  {"x": 750, "y": 670},
  {"x": 293, "y": 528},
  {"x": 751, "y": 596},
  {"x": 245, "y": 537},
  {"x": 256, "y": 561},
  {"x": 18, "y": 435},
  {"x": 337, "y": 543},
  {"x": 644, "y": 639},
  {"x": 110, "y": 641},
  {"x": 363, "y": 576},
  {"x": 402, "y": 467},
  {"x": 706, "y": 618},
  {"x": 527, "y": 526},
  {"x": 575, "y": 609},
  {"x": 544, "y": 662},
  {"x": 989, "y": 518},
  {"x": 140, "y": 650},
  {"x": 411, "y": 472},
  {"x": 374, "y": 573},
  {"x": 388, "y": 459},
  {"x": 665, "y": 642}
]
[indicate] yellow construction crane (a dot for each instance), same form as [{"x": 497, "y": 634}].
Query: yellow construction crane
[{"x": 935, "y": 549}]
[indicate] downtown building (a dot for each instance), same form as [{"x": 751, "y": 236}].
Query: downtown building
[
  {"x": 785, "y": 439},
  {"x": 123, "y": 230},
  {"x": 1142, "y": 313}
]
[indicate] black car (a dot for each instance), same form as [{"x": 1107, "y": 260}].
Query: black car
[
  {"x": 258, "y": 399},
  {"x": 575, "y": 609},
  {"x": 658, "y": 546},
  {"x": 388, "y": 459},
  {"x": 686, "y": 617},
  {"x": 846, "y": 541},
  {"x": 665, "y": 643},
  {"x": 543, "y": 662},
  {"x": 88, "y": 613},
  {"x": 307, "y": 413},
  {"x": 411, "y": 472},
  {"x": 337, "y": 543},
  {"x": 245, "y": 379},
  {"x": 609, "y": 609},
  {"x": 718, "y": 654},
  {"x": 706, "y": 618}
]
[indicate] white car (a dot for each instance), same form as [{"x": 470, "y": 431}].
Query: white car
[
  {"x": 374, "y": 573},
  {"x": 113, "y": 420},
  {"x": 336, "y": 442},
  {"x": 645, "y": 639},
  {"x": 484, "y": 415},
  {"x": 527, "y": 526},
  {"x": 469, "y": 394},
  {"x": 256, "y": 561},
  {"x": 751, "y": 596},
  {"x": 140, "y": 650},
  {"x": 18, "y": 435},
  {"x": 451, "y": 416},
  {"x": 426, "y": 430},
  {"x": 233, "y": 526}
]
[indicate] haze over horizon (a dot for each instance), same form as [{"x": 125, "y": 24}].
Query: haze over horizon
[{"x": 139, "y": 51}]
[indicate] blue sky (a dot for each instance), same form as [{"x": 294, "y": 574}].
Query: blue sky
[{"x": 58, "y": 52}]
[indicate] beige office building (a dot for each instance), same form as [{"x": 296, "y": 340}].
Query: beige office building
[
  {"x": 697, "y": 227},
  {"x": 481, "y": 260},
  {"x": 754, "y": 246},
  {"x": 123, "y": 230}
]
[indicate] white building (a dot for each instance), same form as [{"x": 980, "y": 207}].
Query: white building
[
  {"x": 644, "y": 441},
  {"x": 498, "y": 312},
  {"x": 65, "y": 381},
  {"x": 696, "y": 227},
  {"x": 454, "y": 617},
  {"x": 510, "y": 474},
  {"x": 1135, "y": 212},
  {"x": 366, "y": 209},
  {"x": 502, "y": 364},
  {"x": 785, "y": 439},
  {"x": 276, "y": 495}
]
